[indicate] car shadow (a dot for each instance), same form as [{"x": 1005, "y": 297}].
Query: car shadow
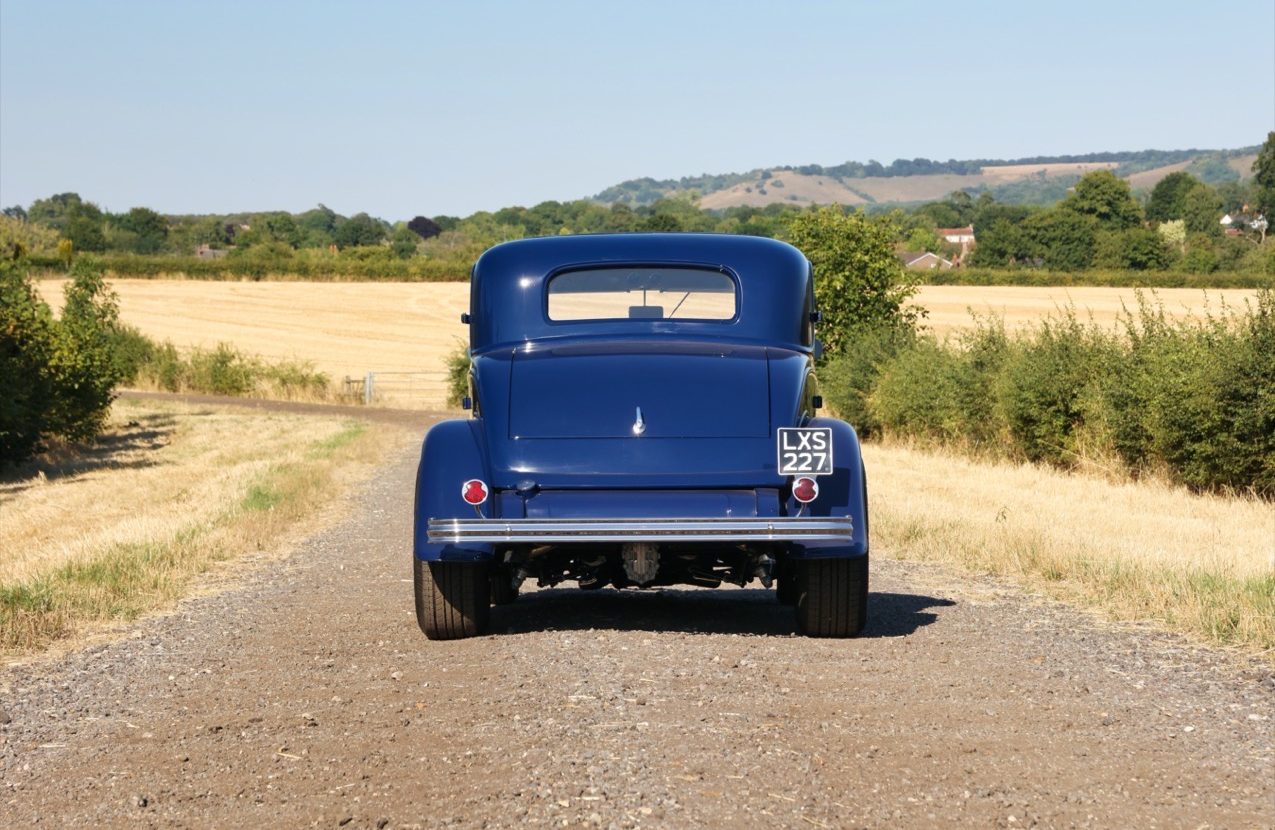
[
  {"x": 128, "y": 447},
  {"x": 729, "y": 611}
]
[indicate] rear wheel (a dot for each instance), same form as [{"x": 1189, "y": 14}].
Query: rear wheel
[
  {"x": 832, "y": 596},
  {"x": 453, "y": 599}
]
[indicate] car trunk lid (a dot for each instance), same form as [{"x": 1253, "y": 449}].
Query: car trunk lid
[{"x": 640, "y": 391}]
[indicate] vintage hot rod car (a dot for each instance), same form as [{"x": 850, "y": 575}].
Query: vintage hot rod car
[{"x": 644, "y": 414}]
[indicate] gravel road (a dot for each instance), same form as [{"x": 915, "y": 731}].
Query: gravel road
[{"x": 306, "y": 696}]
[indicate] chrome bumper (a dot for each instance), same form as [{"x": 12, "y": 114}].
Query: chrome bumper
[{"x": 551, "y": 531}]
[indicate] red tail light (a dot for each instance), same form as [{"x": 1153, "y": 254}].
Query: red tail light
[
  {"x": 805, "y": 490},
  {"x": 474, "y": 492}
]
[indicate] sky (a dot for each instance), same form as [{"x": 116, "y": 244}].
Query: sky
[{"x": 409, "y": 108}]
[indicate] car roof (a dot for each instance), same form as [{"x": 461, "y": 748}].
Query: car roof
[{"x": 508, "y": 286}]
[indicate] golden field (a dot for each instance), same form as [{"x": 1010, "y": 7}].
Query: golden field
[
  {"x": 349, "y": 329},
  {"x": 115, "y": 529}
]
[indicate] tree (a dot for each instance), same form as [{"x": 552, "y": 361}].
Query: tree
[
  {"x": 149, "y": 229},
  {"x": 54, "y": 210},
  {"x": 662, "y": 223},
  {"x": 859, "y": 283},
  {"x": 58, "y": 375},
  {"x": 1064, "y": 239},
  {"x": 18, "y": 238},
  {"x": 317, "y": 227},
  {"x": 1264, "y": 177},
  {"x": 1202, "y": 210},
  {"x": 26, "y": 342},
  {"x": 84, "y": 225},
  {"x": 15, "y": 212},
  {"x": 1168, "y": 197},
  {"x": 359, "y": 230},
  {"x": 1000, "y": 244},
  {"x": 83, "y": 365},
  {"x": 424, "y": 227},
  {"x": 403, "y": 243},
  {"x": 1138, "y": 249},
  {"x": 924, "y": 239},
  {"x": 1174, "y": 234},
  {"x": 1106, "y": 197}
]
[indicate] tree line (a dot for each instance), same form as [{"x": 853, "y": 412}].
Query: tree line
[{"x": 1099, "y": 223}]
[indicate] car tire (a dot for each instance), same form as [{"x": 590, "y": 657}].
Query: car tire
[
  {"x": 453, "y": 599},
  {"x": 832, "y": 596},
  {"x": 503, "y": 591}
]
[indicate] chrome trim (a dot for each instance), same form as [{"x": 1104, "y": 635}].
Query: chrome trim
[{"x": 544, "y": 531}]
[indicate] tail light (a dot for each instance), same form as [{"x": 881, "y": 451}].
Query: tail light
[
  {"x": 474, "y": 492},
  {"x": 805, "y": 490}
]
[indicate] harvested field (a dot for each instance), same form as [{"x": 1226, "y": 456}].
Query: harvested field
[
  {"x": 349, "y": 329},
  {"x": 344, "y": 329},
  {"x": 949, "y": 306},
  {"x": 1001, "y": 173}
]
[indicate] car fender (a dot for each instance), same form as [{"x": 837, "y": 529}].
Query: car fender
[
  {"x": 844, "y": 493},
  {"x": 451, "y": 454}
]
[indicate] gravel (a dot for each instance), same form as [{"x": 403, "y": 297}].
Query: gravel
[{"x": 305, "y": 695}]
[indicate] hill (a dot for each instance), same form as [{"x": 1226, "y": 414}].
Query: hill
[{"x": 1038, "y": 180}]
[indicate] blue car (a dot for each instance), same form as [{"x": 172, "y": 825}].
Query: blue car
[{"x": 644, "y": 413}]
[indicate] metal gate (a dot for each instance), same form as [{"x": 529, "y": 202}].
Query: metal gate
[{"x": 424, "y": 390}]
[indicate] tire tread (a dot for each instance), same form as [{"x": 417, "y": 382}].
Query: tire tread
[
  {"x": 832, "y": 596},
  {"x": 453, "y": 599}
]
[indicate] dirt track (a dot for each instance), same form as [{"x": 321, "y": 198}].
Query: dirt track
[{"x": 307, "y": 697}]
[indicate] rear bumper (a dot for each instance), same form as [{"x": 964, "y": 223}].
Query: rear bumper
[{"x": 561, "y": 531}]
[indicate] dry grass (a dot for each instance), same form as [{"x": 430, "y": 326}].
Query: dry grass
[
  {"x": 1203, "y": 565},
  {"x": 119, "y": 529}
]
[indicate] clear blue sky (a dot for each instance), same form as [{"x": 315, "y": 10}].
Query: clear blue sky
[{"x": 450, "y": 107}]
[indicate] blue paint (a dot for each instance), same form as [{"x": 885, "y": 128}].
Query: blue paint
[{"x": 556, "y": 403}]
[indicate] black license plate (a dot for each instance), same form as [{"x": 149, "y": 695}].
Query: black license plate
[{"x": 805, "y": 451}]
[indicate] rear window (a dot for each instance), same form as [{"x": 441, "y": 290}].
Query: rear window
[{"x": 642, "y": 294}]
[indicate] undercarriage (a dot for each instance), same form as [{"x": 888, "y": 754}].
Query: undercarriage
[{"x": 639, "y": 565}]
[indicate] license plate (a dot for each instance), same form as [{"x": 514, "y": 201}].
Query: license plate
[{"x": 805, "y": 451}]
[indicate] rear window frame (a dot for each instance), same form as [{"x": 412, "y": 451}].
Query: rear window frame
[{"x": 641, "y": 321}]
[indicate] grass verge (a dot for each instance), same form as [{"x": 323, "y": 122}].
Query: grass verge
[
  {"x": 203, "y": 488},
  {"x": 1202, "y": 565}
]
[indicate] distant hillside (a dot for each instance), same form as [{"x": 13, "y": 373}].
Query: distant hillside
[{"x": 1038, "y": 180}]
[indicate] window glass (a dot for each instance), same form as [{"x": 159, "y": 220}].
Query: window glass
[{"x": 642, "y": 294}]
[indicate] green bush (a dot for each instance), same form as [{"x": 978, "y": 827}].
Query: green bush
[
  {"x": 859, "y": 282},
  {"x": 457, "y": 375},
  {"x": 1045, "y": 390},
  {"x": 945, "y": 394},
  {"x": 130, "y": 351},
  {"x": 1252, "y": 277},
  {"x": 1198, "y": 397},
  {"x": 26, "y": 346},
  {"x": 1193, "y": 399},
  {"x": 226, "y": 371},
  {"x": 847, "y": 380},
  {"x": 57, "y": 377}
]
